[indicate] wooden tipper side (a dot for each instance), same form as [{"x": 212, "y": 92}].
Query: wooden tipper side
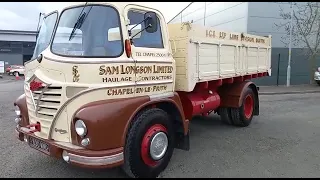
[{"x": 205, "y": 54}]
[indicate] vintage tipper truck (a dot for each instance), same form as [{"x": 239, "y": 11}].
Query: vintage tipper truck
[{"x": 112, "y": 84}]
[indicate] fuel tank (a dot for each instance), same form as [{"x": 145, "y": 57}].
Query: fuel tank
[{"x": 196, "y": 103}]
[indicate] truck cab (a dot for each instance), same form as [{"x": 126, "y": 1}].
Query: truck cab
[{"x": 89, "y": 77}]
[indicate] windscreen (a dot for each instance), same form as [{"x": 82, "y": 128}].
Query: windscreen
[
  {"x": 88, "y": 31},
  {"x": 45, "y": 34}
]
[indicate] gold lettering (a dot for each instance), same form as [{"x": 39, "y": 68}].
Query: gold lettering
[
  {"x": 138, "y": 90},
  {"x": 152, "y": 54},
  {"x": 210, "y": 33},
  {"x": 162, "y": 69},
  {"x": 109, "y": 92},
  {"x": 159, "y": 88},
  {"x": 148, "y": 54},
  {"x": 258, "y": 40},
  {"x": 117, "y": 79},
  {"x": 102, "y": 70},
  {"x": 222, "y": 35},
  {"x": 122, "y": 91},
  {"x": 234, "y": 37},
  {"x": 148, "y": 89},
  {"x": 126, "y": 79},
  {"x": 127, "y": 69},
  {"x": 248, "y": 39},
  {"x": 144, "y": 69},
  {"x": 153, "y": 78},
  {"x": 114, "y": 70},
  {"x": 122, "y": 69}
]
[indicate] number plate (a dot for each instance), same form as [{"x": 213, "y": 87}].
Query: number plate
[{"x": 38, "y": 144}]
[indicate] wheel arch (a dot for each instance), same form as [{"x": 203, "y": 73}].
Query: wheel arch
[
  {"x": 256, "y": 110},
  {"x": 170, "y": 106},
  {"x": 232, "y": 95}
]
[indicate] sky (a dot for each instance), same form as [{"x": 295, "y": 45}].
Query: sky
[{"x": 24, "y": 15}]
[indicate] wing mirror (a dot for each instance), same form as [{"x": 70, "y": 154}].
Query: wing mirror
[{"x": 150, "y": 22}]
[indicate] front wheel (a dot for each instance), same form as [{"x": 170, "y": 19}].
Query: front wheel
[
  {"x": 149, "y": 144},
  {"x": 318, "y": 82}
]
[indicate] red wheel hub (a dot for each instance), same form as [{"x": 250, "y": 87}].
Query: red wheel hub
[
  {"x": 146, "y": 141},
  {"x": 248, "y": 106}
]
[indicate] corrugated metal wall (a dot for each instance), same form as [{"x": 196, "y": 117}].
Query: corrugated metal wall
[{"x": 228, "y": 16}]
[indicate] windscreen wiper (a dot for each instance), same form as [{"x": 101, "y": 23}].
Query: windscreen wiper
[
  {"x": 77, "y": 25},
  {"x": 79, "y": 22}
]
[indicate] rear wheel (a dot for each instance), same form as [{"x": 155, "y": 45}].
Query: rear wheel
[
  {"x": 149, "y": 145},
  {"x": 243, "y": 115},
  {"x": 225, "y": 115},
  {"x": 318, "y": 82}
]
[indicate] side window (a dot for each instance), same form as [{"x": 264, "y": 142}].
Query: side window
[{"x": 147, "y": 40}]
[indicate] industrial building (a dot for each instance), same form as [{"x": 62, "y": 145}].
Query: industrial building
[
  {"x": 16, "y": 47},
  {"x": 257, "y": 18}
]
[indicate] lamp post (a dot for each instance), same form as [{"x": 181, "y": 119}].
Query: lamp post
[
  {"x": 205, "y": 11},
  {"x": 290, "y": 41}
]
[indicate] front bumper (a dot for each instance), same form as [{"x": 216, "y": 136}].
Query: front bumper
[{"x": 77, "y": 155}]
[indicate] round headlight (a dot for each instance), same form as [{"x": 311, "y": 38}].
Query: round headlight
[
  {"x": 65, "y": 156},
  {"x": 85, "y": 142},
  {"x": 17, "y": 120},
  {"x": 17, "y": 111},
  {"x": 81, "y": 128}
]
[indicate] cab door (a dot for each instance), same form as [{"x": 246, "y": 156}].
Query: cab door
[{"x": 155, "y": 67}]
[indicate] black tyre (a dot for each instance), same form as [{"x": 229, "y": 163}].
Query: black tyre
[
  {"x": 225, "y": 115},
  {"x": 149, "y": 144},
  {"x": 243, "y": 115},
  {"x": 318, "y": 82}
]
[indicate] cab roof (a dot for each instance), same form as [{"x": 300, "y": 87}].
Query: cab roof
[{"x": 119, "y": 5}]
